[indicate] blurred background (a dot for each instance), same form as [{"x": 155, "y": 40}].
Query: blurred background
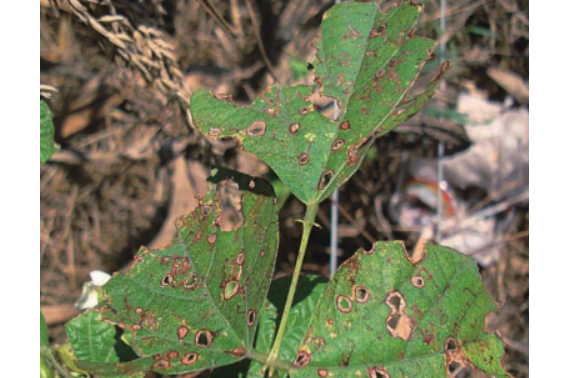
[{"x": 118, "y": 75}]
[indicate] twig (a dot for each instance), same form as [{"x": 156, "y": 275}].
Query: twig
[{"x": 211, "y": 10}]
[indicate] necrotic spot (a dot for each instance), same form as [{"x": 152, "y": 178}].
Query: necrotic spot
[
  {"x": 231, "y": 289},
  {"x": 294, "y": 128},
  {"x": 204, "y": 338},
  {"x": 326, "y": 179},
  {"x": 190, "y": 359},
  {"x": 338, "y": 144},
  {"x": 345, "y": 126},
  {"x": 362, "y": 294},
  {"x": 256, "y": 129},
  {"x": 344, "y": 304},
  {"x": 251, "y": 317},
  {"x": 302, "y": 360},
  {"x": 303, "y": 158},
  {"x": 304, "y": 111},
  {"x": 166, "y": 280}
]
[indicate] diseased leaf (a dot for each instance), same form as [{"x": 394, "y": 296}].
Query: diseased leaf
[
  {"x": 47, "y": 132},
  {"x": 308, "y": 293},
  {"x": 195, "y": 305},
  {"x": 366, "y": 60},
  {"x": 94, "y": 343},
  {"x": 385, "y": 315}
]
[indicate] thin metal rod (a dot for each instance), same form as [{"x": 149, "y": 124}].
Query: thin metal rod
[
  {"x": 441, "y": 185},
  {"x": 335, "y": 210}
]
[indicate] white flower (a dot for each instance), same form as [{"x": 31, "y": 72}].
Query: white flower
[{"x": 91, "y": 290}]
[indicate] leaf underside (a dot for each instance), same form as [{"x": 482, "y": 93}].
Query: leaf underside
[
  {"x": 384, "y": 315},
  {"x": 367, "y": 61},
  {"x": 195, "y": 304},
  {"x": 46, "y": 144}
]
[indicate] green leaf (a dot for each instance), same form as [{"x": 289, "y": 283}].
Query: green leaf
[
  {"x": 47, "y": 132},
  {"x": 94, "y": 343},
  {"x": 44, "y": 335},
  {"x": 195, "y": 304},
  {"x": 386, "y": 315},
  {"x": 308, "y": 292},
  {"x": 368, "y": 61}
]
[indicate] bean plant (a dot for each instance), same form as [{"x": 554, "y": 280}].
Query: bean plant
[{"x": 208, "y": 301}]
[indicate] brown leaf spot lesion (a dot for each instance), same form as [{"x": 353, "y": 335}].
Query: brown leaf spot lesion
[
  {"x": 362, "y": 294},
  {"x": 190, "y": 359},
  {"x": 215, "y": 131},
  {"x": 204, "y": 338},
  {"x": 237, "y": 352},
  {"x": 231, "y": 288},
  {"x": 303, "y": 158},
  {"x": 326, "y": 179},
  {"x": 302, "y": 360},
  {"x": 304, "y": 111},
  {"x": 161, "y": 365},
  {"x": 338, "y": 144},
  {"x": 166, "y": 280},
  {"x": 418, "y": 282},
  {"x": 323, "y": 373},
  {"x": 352, "y": 34},
  {"x": 256, "y": 129},
  {"x": 344, "y": 304},
  {"x": 251, "y": 317},
  {"x": 455, "y": 359},
  {"x": 378, "y": 372},
  {"x": 345, "y": 126},
  {"x": 398, "y": 323},
  {"x": 182, "y": 332},
  {"x": 377, "y": 31},
  {"x": 294, "y": 128},
  {"x": 191, "y": 282}
]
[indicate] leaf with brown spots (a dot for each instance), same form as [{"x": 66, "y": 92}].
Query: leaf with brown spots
[
  {"x": 384, "y": 315},
  {"x": 369, "y": 71},
  {"x": 194, "y": 305}
]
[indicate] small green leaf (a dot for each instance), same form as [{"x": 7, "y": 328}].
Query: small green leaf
[
  {"x": 94, "y": 343},
  {"x": 195, "y": 305},
  {"x": 44, "y": 335},
  {"x": 368, "y": 61},
  {"x": 47, "y": 132},
  {"x": 386, "y": 315}
]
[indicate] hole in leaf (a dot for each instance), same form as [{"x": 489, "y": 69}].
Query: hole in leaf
[
  {"x": 204, "y": 338},
  {"x": 418, "y": 282},
  {"x": 326, "y": 179},
  {"x": 454, "y": 368},
  {"x": 231, "y": 218},
  {"x": 166, "y": 280},
  {"x": 206, "y": 210},
  {"x": 399, "y": 326},
  {"x": 256, "y": 129},
  {"x": 302, "y": 360},
  {"x": 378, "y": 373},
  {"x": 190, "y": 359},
  {"x": 394, "y": 301},
  {"x": 251, "y": 317},
  {"x": 451, "y": 345},
  {"x": 362, "y": 294}
]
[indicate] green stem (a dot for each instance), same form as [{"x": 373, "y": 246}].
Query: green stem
[
  {"x": 308, "y": 223},
  {"x": 47, "y": 354}
]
